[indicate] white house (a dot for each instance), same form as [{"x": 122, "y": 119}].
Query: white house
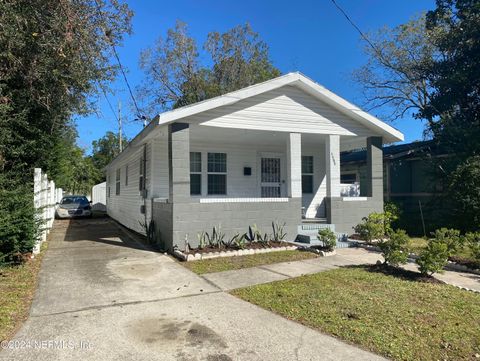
[{"x": 268, "y": 152}]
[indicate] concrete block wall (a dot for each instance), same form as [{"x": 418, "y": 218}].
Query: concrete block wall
[
  {"x": 162, "y": 215},
  {"x": 347, "y": 214},
  {"x": 189, "y": 219}
]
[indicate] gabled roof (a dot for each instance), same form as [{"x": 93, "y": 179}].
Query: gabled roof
[
  {"x": 389, "y": 133},
  {"x": 297, "y": 79}
]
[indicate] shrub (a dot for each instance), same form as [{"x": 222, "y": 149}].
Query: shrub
[
  {"x": 473, "y": 240},
  {"x": 450, "y": 237},
  {"x": 433, "y": 258},
  {"x": 372, "y": 227},
  {"x": 395, "y": 248},
  {"x": 19, "y": 224},
  {"x": 391, "y": 214},
  {"x": 328, "y": 238}
]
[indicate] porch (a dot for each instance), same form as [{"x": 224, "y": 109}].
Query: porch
[{"x": 235, "y": 178}]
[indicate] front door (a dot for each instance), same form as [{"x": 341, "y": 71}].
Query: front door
[{"x": 270, "y": 175}]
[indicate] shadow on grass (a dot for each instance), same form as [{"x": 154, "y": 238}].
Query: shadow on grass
[{"x": 396, "y": 272}]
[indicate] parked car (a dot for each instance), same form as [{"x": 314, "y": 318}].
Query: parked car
[{"x": 73, "y": 206}]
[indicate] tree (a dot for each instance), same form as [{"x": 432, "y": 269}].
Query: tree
[
  {"x": 175, "y": 76},
  {"x": 464, "y": 194},
  {"x": 394, "y": 75},
  {"x": 240, "y": 58},
  {"x": 455, "y": 76},
  {"x": 105, "y": 150},
  {"x": 54, "y": 54}
]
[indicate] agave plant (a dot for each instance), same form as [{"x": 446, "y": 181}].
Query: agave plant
[
  {"x": 237, "y": 241},
  {"x": 202, "y": 242},
  {"x": 278, "y": 232},
  {"x": 215, "y": 240}
]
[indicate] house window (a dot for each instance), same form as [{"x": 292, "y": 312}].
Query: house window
[
  {"x": 126, "y": 175},
  {"x": 117, "y": 183},
  {"x": 141, "y": 178},
  {"x": 307, "y": 174},
  {"x": 195, "y": 173},
  {"x": 348, "y": 178},
  {"x": 217, "y": 173}
]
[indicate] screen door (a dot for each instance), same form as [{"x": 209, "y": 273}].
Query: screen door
[{"x": 270, "y": 177}]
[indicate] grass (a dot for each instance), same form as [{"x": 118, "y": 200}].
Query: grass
[
  {"x": 238, "y": 262},
  {"x": 17, "y": 288},
  {"x": 417, "y": 244},
  {"x": 394, "y": 317}
]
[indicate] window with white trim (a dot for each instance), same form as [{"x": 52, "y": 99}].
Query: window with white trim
[
  {"x": 117, "y": 183},
  {"x": 307, "y": 174},
  {"x": 217, "y": 174},
  {"x": 195, "y": 173}
]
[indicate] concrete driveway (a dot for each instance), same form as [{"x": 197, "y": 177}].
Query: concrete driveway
[{"x": 103, "y": 296}]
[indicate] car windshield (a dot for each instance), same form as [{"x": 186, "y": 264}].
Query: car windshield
[{"x": 74, "y": 200}]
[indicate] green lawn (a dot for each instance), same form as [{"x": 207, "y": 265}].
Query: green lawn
[
  {"x": 394, "y": 317},
  {"x": 238, "y": 262},
  {"x": 417, "y": 244},
  {"x": 17, "y": 288}
]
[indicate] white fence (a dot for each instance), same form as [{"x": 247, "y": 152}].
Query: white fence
[
  {"x": 45, "y": 195},
  {"x": 99, "y": 197}
]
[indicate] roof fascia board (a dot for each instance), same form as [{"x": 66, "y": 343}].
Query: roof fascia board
[{"x": 350, "y": 109}]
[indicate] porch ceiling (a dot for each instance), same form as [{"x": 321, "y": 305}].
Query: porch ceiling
[{"x": 206, "y": 135}]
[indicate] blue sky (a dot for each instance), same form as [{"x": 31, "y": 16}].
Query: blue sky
[{"x": 310, "y": 36}]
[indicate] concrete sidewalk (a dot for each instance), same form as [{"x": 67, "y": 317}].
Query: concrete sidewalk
[
  {"x": 229, "y": 280},
  {"x": 103, "y": 296}
]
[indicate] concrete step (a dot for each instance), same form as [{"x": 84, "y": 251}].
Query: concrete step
[{"x": 314, "y": 227}]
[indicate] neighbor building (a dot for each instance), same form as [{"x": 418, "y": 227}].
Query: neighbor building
[
  {"x": 268, "y": 152},
  {"x": 410, "y": 180}
]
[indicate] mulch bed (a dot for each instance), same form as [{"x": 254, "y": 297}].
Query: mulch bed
[
  {"x": 250, "y": 245},
  {"x": 401, "y": 273},
  {"x": 465, "y": 262}
]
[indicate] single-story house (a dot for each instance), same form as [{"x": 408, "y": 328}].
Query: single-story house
[
  {"x": 410, "y": 180},
  {"x": 268, "y": 152}
]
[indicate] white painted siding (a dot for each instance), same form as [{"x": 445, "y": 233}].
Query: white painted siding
[
  {"x": 125, "y": 208},
  {"x": 159, "y": 179},
  {"x": 286, "y": 109},
  {"x": 238, "y": 157}
]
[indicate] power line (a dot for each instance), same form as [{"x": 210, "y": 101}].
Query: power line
[
  {"x": 357, "y": 28},
  {"x": 117, "y": 57},
  {"x": 109, "y": 104}
]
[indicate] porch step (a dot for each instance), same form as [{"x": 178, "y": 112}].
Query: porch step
[{"x": 307, "y": 233}]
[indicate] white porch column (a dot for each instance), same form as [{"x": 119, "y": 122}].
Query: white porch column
[
  {"x": 332, "y": 161},
  {"x": 294, "y": 165}
]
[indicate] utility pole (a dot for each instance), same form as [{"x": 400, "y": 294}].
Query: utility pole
[{"x": 120, "y": 126}]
